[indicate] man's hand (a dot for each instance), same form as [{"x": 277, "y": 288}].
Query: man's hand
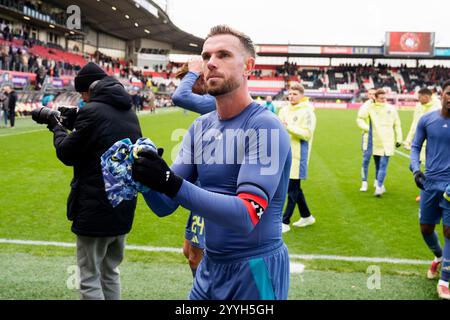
[
  {"x": 419, "y": 178},
  {"x": 196, "y": 65},
  {"x": 407, "y": 145},
  {"x": 53, "y": 121},
  {"x": 152, "y": 171}
]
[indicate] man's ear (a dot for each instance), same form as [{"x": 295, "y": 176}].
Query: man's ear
[{"x": 249, "y": 66}]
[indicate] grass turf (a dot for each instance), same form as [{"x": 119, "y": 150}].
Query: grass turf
[{"x": 34, "y": 187}]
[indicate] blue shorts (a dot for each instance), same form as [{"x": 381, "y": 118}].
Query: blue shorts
[
  {"x": 262, "y": 277},
  {"x": 433, "y": 206},
  {"x": 195, "y": 230}
]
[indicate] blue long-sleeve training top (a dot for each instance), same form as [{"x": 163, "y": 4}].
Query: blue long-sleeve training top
[{"x": 434, "y": 128}]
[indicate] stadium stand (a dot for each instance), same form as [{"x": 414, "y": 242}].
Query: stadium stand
[{"x": 33, "y": 65}]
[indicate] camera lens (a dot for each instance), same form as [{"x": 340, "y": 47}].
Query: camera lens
[
  {"x": 42, "y": 115},
  {"x": 35, "y": 114}
]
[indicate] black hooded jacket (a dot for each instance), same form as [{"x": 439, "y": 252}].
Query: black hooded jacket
[{"x": 104, "y": 120}]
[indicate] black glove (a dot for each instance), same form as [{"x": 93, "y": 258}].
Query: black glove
[
  {"x": 53, "y": 121},
  {"x": 152, "y": 171},
  {"x": 419, "y": 178},
  {"x": 68, "y": 116},
  {"x": 398, "y": 144}
]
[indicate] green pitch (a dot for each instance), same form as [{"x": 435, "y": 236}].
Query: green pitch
[{"x": 35, "y": 185}]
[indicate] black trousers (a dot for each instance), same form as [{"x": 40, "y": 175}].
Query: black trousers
[
  {"x": 295, "y": 196},
  {"x": 12, "y": 117}
]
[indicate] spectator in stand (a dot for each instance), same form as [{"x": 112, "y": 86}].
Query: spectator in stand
[
  {"x": 4, "y": 57},
  {"x": 40, "y": 76}
]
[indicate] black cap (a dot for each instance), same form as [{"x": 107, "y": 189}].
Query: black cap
[{"x": 88, "y": 74}]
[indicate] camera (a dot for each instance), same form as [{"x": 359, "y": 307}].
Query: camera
[
  {"x": 65, "y": 115},
  {"x": 42, "y": 115}
]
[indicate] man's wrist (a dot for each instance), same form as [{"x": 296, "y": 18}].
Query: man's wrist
[
  {"x": 57, "y": 127},
  {"x": 174, "y": 183}
]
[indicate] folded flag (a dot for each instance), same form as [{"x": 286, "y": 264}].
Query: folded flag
[{"x": 117, "y": 164}]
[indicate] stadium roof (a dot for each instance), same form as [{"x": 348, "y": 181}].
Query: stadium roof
[{"x": 110, "y": 17}]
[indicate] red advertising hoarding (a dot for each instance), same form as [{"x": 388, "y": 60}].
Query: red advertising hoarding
[{"x": 409, "y": 44}]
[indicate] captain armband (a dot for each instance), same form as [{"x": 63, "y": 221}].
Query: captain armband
[{"x": 255, "y": 206}]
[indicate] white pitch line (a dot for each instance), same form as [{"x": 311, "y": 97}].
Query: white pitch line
[
  {"x": 179, "y": 250},
  {"x": 19, "y": 133},
  {"x": 358, "y": 259},
  {"x": 402, "y": 154},
  {"x": 296, "y": 267}
]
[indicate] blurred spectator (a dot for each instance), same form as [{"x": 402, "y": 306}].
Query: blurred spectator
[
  {"x": 4, "y": 108},
  {"x": 12, "y": 99}
]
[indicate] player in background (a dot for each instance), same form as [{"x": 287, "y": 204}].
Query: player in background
[
  {"x": 386, "y": 131},
  {"x": 436, "y": 96},
  {"x": 366, "y": 141},
  {"x": 191, "y": 95},
  {"x": 241, "y": 201},
  {"x": 434, "y": 128},
  {"x": 300, "y": 121},
  {"x": 426, "y": 104}
]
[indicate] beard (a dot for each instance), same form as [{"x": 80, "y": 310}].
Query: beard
[
  {"x": 219, "y": 89},
  {"x": 445, "y": 108}
]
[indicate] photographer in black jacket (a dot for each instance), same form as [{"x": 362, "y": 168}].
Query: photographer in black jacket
[{"x": 101, "y": 229}]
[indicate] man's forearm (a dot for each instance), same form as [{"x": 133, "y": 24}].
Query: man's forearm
[
  {"x": 415, "y": 158},
  {"x": 159, "y": 203},
  {"x": 62, "y": 152},
  {"x": 301, "y": 133},
  {"x": 222, "y": 209},
  {"x": 362, "y": 124}
]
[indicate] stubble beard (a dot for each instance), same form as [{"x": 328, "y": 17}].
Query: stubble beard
[{"x": 227, "y": 86}]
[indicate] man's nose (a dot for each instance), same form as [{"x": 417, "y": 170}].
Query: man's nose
[{"x": 211, "y": 64}]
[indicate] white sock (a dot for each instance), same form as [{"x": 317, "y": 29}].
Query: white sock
[{"x": 436, "y": 259}]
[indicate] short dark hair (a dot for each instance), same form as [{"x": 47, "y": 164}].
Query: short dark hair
[
  {"x": 445, "y": 85},
  {"x": 425, "y": 91},
  {"x": 245, "y": 40}
]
